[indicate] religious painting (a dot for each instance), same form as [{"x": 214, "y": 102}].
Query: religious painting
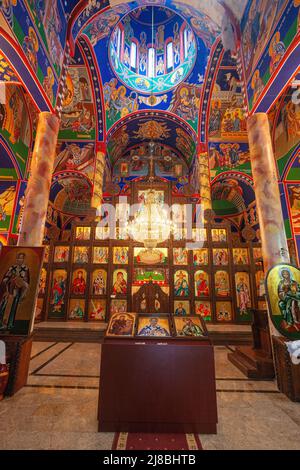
[
  {"x": 287, "y": 127},
  {"x": 199, "y": 234},
  {"x": 224, "y": 311},
  {"x": 124, "y": 168},
  {"x": 257, "y": 254},
  {"x": 119, "y": 282},
  {"x": 121, "y": 324},
  {"x": 153, "y": 326},
  {"x": 97, "y": 309},
  {"x": 283, "y": 295},
  {"x": 180, "y": 256},
  {"x": 200, "y": 257},
  {"x": 58, "y": 292},
  {"x": 201, "y": 284},
  {"x": 118, "y": 306},
  {"x": 181, "y": 307},
  {"x": 16, "y": 129},
  {"x": 118, "y": 103},
  {"x": 226, "y": 156},
  {"x": 222, "y": 285},
  {"x": 186, "y": 102},
  {"x": 151, "y": 257},
  {"x": 99, "y": 282},
  {"x": 120, "y": 255},
  {"x": 38, "y": 316},
  {"x": 102, "y": 233},
  {"x": 81, "y": 254},
  {"x": 260, "y": 283},
  {"x": 240, "y": 256},
  {"x": 189, "y": 327},
  {"x": 7, "y": 200},
  {"x": 220, "y": 256},
  {"x": 294, "y": 196},
  {"x": 151, "y": 196},
  {"x": 46, "y": 254},
  {"x": 203, "y": 309},
  {"x": 19, "y": 281},
  {"x": 83, "y": 233},
  {"x": 61, "y": 254},
  {"x": 42, "y": 283},
  {"x": 219, "y": 235},
  {"x": 181, "y": 284},
  {"x": 76, "y": 156},
  {"x": 243, "y": 295},
  {"x": 100, "y": 255},
  {"x": 76, "y": 309},
  {"x": 79, "y": 282},
  {"x": 78, "y": 115},
  {"x": 158, "y": 276}
]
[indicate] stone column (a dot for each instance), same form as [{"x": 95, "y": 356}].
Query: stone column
[
  {"x": 38, "y": 188},
  {"x": 273, "y": 237},
  {"x": 99, "y": 175},
  {"x": 204, "y": 182}
]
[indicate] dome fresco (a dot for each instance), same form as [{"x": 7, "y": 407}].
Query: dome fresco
[{"x": 152, "y": 49}]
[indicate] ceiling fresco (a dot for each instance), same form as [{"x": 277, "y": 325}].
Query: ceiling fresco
[
  {"x": 268, "y": 29},
  {"x": 130, "y": 90},
  {"x": 150, "y": 126},
  {"x": 133, "y": 64},
  {"x": 16, "y": 126},
  {"x": 7, "y": 74}
]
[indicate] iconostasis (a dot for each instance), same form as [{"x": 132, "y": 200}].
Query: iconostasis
[{"x": 101, "y": 272}]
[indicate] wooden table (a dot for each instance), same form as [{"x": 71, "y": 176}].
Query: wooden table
[{"x": 153, "y": 385}]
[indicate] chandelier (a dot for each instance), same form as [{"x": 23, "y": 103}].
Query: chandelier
[{"x": 152, "y": 224}]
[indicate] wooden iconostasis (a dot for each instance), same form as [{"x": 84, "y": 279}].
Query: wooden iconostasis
[{"x": 91, "y": 276}]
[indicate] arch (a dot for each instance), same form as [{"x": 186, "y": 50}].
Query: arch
[
  {"x": 159, "y": 126},
  {"x": 295, "y": 154},
  {"x": 11, "y": 155},
  {"x": 16, "y": 58},
  {"x": 280, "y": 81}
]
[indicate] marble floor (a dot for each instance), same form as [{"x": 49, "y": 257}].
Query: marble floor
[{"x": 58, "y": 407}]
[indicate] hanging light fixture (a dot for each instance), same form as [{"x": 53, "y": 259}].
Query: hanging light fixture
[{"x": 152, "y": 223}]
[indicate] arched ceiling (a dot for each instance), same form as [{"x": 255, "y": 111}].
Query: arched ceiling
[
  {"x": 124, "y": 95},
  {"x": 160, "y": 127}
]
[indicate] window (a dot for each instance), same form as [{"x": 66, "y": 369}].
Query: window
[
  {"x": 186, "y": 42},
  {"x": 133, "y": 55},
  {"x": 119, "y": 34},
  {"x": 170, "y": 56},
  {"x": 151, "y": 62}
]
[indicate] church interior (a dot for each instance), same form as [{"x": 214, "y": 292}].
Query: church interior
[{"x": 149, "y": 224}]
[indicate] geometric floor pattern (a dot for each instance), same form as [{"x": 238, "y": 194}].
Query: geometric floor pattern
[{"x": 58, "y": 407}]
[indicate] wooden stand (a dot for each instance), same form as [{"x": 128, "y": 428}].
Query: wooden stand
[
  {"x": 256, "y": 361},
  {"x": 158, "y": 385},
  {"x": 18, "y": 352},
  {"x": 288, "y": 374}
]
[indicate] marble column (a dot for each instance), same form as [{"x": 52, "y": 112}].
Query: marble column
[
  {"x": 39, "y": 183},
  {"x": 99, "y": 175},
  {"x": 273, "y": 237},
  {"x": 204, "y": 182}
]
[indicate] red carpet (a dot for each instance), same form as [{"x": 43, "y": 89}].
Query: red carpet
[{"x": 131, "y": 441}]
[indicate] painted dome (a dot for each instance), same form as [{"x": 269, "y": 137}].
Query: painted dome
[{"x": 152, "y": 49}]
